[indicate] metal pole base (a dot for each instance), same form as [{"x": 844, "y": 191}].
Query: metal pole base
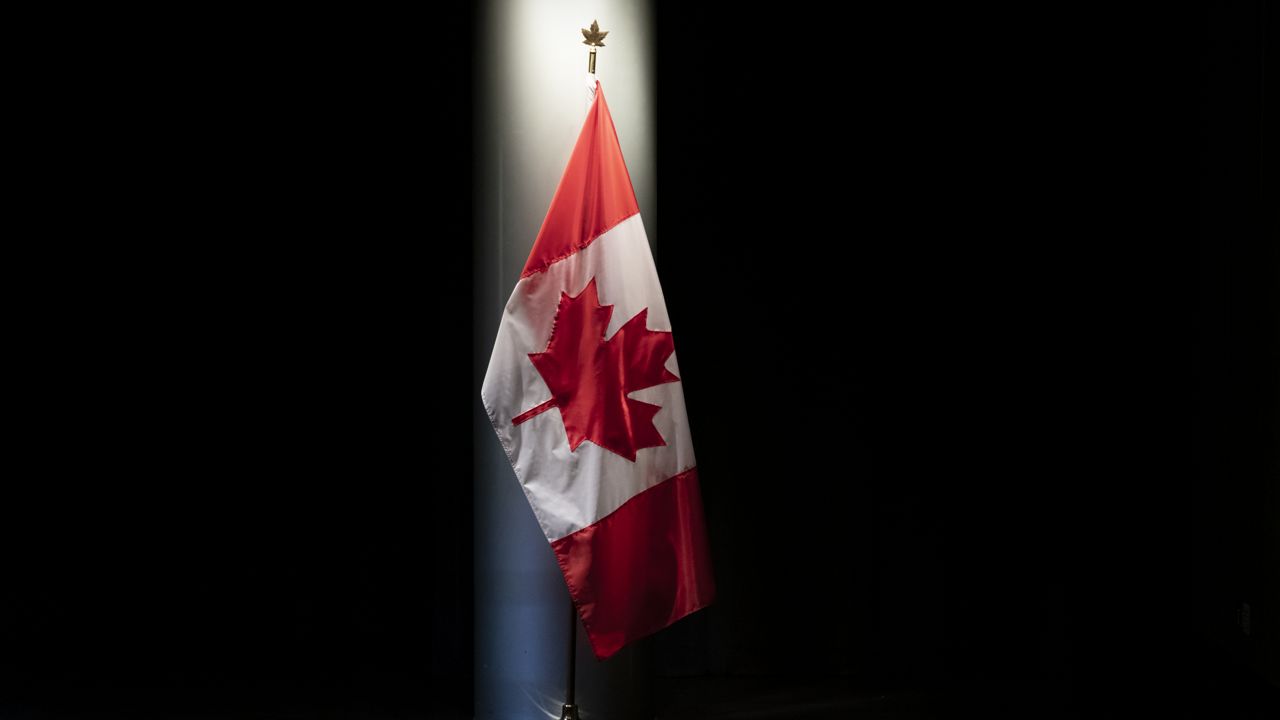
[{"x": 569, "y": 712}]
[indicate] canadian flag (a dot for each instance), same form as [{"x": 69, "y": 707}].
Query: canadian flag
[{"x": 584, "y": 393}]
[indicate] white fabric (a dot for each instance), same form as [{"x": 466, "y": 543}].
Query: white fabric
[{"x": 571, "y": 490}]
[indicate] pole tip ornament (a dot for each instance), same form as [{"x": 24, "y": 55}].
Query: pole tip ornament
[{"x": 594, "y": 36}]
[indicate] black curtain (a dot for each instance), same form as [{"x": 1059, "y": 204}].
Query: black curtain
[
  {"x": 937, "y": 281},
  {"x": 240, "y": 451}
]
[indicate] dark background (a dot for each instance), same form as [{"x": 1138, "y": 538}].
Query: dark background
[
  {"x": 977, "y": 317},
  {"x": 1021, "y": 332}
]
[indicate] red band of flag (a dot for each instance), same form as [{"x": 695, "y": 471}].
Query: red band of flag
[{"x": 642, "y": 567}]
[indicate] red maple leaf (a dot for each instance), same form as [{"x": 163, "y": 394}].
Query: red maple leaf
[{"x": 590, "y": 377}]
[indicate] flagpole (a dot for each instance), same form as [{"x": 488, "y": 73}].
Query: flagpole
[
  {"x": 570, "y": 709},
  {"x": 593, "y": 37}
]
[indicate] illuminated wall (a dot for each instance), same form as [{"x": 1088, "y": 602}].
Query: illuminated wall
[{"x": 532, "y": 98}]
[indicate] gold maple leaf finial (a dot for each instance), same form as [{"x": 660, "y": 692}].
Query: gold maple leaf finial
[{"x": 594, "y": 35}]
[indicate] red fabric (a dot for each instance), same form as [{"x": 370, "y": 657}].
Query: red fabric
[
  {"x": 594, "y": 194},
  {"x": 642, "y": 567}
]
